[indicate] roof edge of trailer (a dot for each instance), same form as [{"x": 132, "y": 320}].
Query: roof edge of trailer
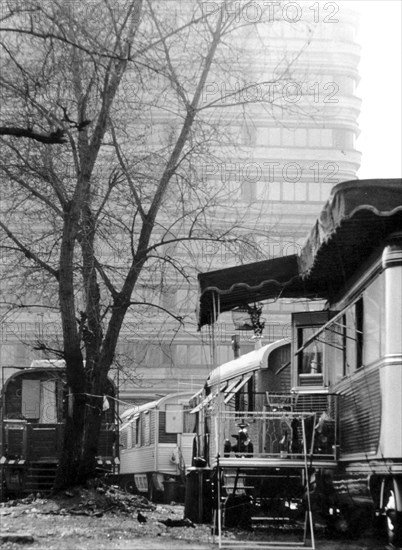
[
  {"x": 47, "y": 364},
  {"x": 137, "y": 409},
  {"x": 249, "y": 362},
  {"x": 358, "y": 216}
]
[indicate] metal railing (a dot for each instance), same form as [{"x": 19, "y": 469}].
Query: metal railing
[{"x": 274, "y": 434}]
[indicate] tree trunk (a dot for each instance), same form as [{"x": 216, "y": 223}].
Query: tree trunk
[
  {"x": 81, "y": 436},
  {"x": 70, "y": 460}
]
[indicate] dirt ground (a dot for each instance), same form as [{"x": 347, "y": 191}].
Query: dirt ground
[{"x": 108, "y": 519}]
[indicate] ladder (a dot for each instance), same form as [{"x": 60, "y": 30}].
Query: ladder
[{"x": 236, "y": 477}]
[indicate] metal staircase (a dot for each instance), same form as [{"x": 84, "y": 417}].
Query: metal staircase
[{"x": 40, "y": 478}]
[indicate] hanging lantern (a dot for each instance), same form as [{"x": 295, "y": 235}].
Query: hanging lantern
[{"x": 248, "y": 318}]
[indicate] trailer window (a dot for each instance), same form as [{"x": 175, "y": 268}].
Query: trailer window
[
  {"x": 146, "y": 428},
  {"x": 48, "y": 409},
  {"x": 138, "y": 431},
  {"x": 30, "y": 402},
  {"x": 310, "y": 360},
  {"x": 373, "y": 320},
  {"x": 353, "y": 337},
  {"x": 359, "y": 332},
  {"x": 123, "y": 439},
  {"x": 364, "y": 326},
  {"x": 350, "y": 355},
  {"x": 129, "y": 436}
]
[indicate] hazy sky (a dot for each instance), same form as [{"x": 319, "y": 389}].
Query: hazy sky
[{"x": 380, "y": 87}]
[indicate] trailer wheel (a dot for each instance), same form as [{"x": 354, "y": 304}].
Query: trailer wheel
[
  {"x": 351, "y": 522},
  {"x": 130, "y": 487},
  {"x": 393, "y": 519}
]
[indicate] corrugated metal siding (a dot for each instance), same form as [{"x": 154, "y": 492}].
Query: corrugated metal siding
[
  {"x": 317, "y": 403},
  {"x": 43, "y": 441},
  {"x": 360, "y": 414},
  {"x": 267, "y": 380},
  {"x": 138, "y": 460}
]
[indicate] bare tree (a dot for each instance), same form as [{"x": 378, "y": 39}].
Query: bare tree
[{"x": 106, "y": 127}]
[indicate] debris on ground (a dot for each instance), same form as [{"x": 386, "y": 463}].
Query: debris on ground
[
  {"x": 177, "y": 522},
  {"x": 103, "y": 517},
  {"x": 20, "y": 538},
  {"x": 94, "y": 500},
  {"x": 75, "y": 521},
  {"x": 141, "y": 518}
]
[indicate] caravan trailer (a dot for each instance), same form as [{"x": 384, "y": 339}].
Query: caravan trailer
[
  {"x": 33, "y": 414},
  {"x": 156, "y": 441},
  {"x": 322, "y": 411}
]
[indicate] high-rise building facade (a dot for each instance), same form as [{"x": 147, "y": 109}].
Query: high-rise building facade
[
  {"x": 288, "y": 156},
  {"x": 298, "y": 77}
]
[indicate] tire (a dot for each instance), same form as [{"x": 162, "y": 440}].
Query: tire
[
  {"x": 393, "y": 519},
  {"x": 351, "y": 522},
  {"x": 130, "y": 487}
]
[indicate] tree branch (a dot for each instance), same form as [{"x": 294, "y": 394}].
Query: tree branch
[
  {"x": 30, "y": 255},
  {"x": 178, "y": 318},
  {"x": 57, "y": 137}
]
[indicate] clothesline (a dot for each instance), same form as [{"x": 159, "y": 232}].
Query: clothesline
[{"x": 103, "y": 395}]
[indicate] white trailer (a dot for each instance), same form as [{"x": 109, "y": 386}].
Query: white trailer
[{"x": 156, "y": 442}]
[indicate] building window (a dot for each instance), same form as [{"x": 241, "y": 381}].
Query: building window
[
  {"x": 343, "y": 139},
  {"x": 248, "y": 191},
  {"x": 169, "y": 298},
  {"x": 318, "y": 137},
  {"x": 314, "y": 192},
  {"x": 346, "y": 85},
  {"x": 273, "y": 190},
  {"x": 288, "y": 137},
  {"x": 274, "y": 137},
  {"x": 248, "y": 135},
  {"x": 294, "y": 191},
  {"x": 181, "y": 355},
  {"x": 301, "y": 137}
]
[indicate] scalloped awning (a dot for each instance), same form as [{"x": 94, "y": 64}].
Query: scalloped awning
[{"x": 358, "y": 216}]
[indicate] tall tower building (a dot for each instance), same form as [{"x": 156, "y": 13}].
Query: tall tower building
[{"x": 288, "y": 156}]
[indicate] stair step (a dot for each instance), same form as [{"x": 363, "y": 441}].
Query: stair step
[
  {"x": 40, "y": 477},
  {"x": 39, "y": 487}
]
